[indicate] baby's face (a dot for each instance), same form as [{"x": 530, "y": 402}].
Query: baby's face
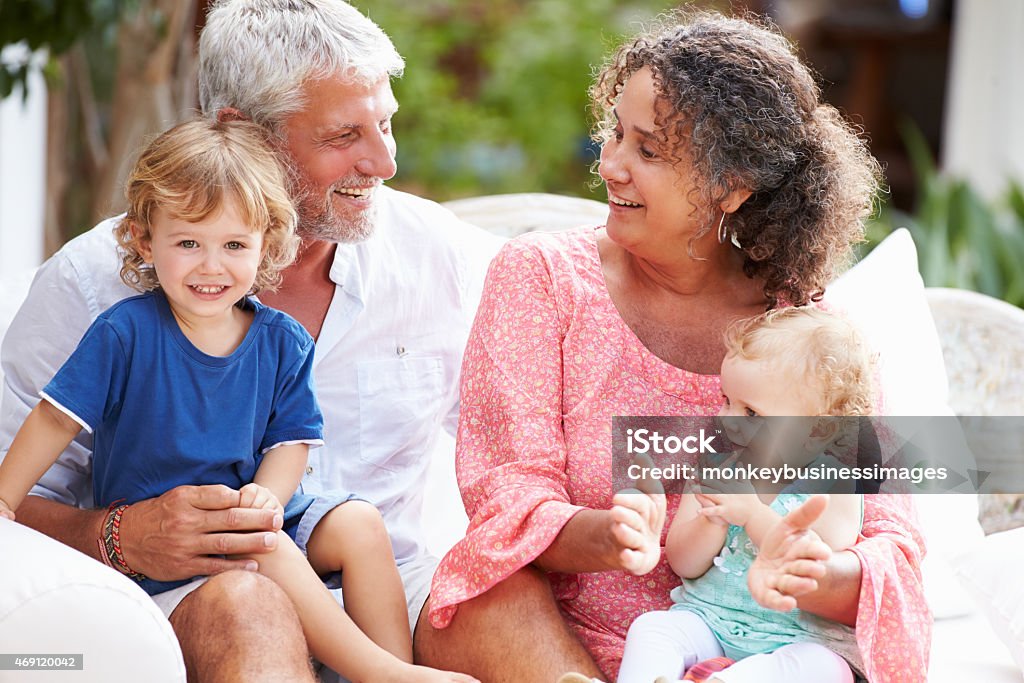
[{"x": 754, "y": 390}]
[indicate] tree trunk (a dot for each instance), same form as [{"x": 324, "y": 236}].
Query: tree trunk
[
  {"x": 155, "y": 51},
  {"x": 57, "y": 126}
]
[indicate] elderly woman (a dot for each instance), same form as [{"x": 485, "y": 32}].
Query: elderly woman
[{"x": 732, "y": 189}]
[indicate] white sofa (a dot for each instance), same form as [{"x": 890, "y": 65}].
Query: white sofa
[{"x": 55, "y": 600}]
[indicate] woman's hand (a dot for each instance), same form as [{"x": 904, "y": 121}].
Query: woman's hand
[
  {"x": 791, "y": 559},
  {"x": 637, "y": 521}
]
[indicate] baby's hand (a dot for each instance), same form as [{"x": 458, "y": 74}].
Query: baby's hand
[
  {"x": 259, "y": 497},
  {"x": 734, "y": 508},
  {"x": 5, "y": 511},
  {"x": 708, "y": 502}
]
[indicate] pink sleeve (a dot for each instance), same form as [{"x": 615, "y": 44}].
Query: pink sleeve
[
  {"x": 511, "y": 455},
  {"x": 894, "y": 624}
]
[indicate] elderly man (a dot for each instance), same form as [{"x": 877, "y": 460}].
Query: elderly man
[{"x": 385, "y": 282}]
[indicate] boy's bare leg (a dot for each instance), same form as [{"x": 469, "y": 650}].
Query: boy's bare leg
[
  {"x": 352, "y": 539},
  {"x": 240, "y": 626},
  {"x": 512, "y": 633},
  {"x": 331, "y": 635}
]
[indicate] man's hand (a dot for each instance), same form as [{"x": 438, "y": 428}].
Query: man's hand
[
  {"x": 259, "y": 497},
  {"x": 182, "y": 533},
  {"x": 790, "y": 560}
]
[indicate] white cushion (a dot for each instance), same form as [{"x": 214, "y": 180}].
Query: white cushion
[
  {"x": 884, "y": 296},
  {"x": 56, "y": 600},
  {"x": 991, "y": 574}
]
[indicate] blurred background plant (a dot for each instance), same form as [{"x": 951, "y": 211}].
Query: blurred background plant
[
  {"x": 964, "y": 240},
  {"x": 494, "y": 96}
]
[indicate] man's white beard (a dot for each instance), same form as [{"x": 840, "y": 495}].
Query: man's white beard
[{"x": 318, "y": 219}]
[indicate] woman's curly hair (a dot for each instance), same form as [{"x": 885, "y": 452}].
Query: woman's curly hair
[
  {"x": 749, "y": 113},
  {"x": 188, "y": 172}
]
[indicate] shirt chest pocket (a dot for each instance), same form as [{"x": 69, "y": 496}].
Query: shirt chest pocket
[{"x": 399, "y": 409}]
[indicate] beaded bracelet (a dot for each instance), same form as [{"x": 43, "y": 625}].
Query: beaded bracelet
[{"x": 111, "y": 543}]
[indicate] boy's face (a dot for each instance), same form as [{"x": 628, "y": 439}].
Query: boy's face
[
  {"x": 204, "y": 268},
  {"x": 753, "y": 390}
]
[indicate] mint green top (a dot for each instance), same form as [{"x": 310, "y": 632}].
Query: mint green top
[{"x": 743, "y": 627}]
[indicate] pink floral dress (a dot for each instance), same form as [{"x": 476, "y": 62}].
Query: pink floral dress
[{"x": 548, "y": 364}]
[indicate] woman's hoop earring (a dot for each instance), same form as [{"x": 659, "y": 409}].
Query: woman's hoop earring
[{"x": 723, "y": 234}]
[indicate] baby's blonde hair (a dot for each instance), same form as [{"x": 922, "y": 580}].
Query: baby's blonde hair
[
  {"x": 188, "y": 172},
  {"x": 822, "y": 346}
]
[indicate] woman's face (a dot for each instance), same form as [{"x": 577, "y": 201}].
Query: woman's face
[{"x": 650, "y": 194}]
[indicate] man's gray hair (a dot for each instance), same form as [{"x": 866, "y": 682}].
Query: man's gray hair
[{"x": 255, "y": 55}]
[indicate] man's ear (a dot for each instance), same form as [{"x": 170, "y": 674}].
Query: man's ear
[
  {"x": 230, "y": 114},
  {"x": 143, "y": 242}
]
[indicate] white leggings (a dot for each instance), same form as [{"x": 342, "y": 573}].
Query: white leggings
[{"x": 668, "y": 643}]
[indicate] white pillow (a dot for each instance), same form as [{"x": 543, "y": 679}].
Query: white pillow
[
  {"x": 991, "y": 574},
  {"x": 884, "y": 296}
]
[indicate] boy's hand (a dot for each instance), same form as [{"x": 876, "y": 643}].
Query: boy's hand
[
  {"x": 5, "y": 511},
  {"x": 259, "y": 497}
]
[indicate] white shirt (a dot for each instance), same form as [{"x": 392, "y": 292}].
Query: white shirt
[{"x": 386, "y": 366}]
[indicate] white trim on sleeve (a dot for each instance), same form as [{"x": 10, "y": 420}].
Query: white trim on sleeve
[{"x": 66, "y": 411}]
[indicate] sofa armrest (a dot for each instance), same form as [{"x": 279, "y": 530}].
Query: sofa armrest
[{"x": 56, "y": 600}]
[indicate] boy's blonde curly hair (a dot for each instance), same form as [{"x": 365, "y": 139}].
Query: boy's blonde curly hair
[
  {"x": 822, "y": 346},
  {"x": 188, "y": 172}
]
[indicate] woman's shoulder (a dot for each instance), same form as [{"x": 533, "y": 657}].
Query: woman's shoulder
[{"x": 559, "y": 252}]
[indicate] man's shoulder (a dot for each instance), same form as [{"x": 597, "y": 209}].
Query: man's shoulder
[
  {"x": 93, "y": 263},
  {"x": 408, "y": 215},
  {"x": 96, "y": 245},
  {"x": 424, "y": 231}
]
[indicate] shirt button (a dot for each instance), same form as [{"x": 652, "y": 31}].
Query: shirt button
[{"x": 309, "y": 470}]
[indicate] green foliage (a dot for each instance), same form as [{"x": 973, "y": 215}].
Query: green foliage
[
  {"x": 53, "y": 25},
  {"x": 494, "y": 96},
  {"x": 963, "y": 240}
]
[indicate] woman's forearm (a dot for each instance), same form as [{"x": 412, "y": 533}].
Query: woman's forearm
[
  {"x": 585, "y": 544},
  {"x": 838, "y": 593}
]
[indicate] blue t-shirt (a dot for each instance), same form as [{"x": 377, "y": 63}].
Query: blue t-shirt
[{"x": 164, "y": 414}]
